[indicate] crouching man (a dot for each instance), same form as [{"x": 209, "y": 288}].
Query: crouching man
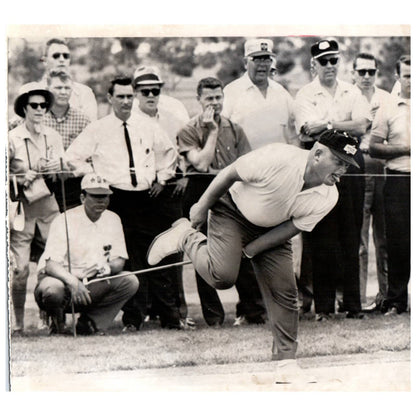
[
  {"x": 87, "y": 244},
  {"x": 256, "y": 205}
]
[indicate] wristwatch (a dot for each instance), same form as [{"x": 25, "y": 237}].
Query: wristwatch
[{"x": 329, "y": 126}]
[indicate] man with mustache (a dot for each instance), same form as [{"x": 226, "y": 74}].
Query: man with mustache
[{"x": 330, "y": 103}]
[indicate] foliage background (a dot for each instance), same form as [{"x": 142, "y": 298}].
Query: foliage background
[{"x": 184, "y": 60}]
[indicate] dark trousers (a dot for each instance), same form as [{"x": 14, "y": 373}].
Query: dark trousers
[
  {"x": 143, "y": 218},
  {"x": 250, "y": 303},
  {"x": 334, "y": 245},
  {"x": 397, "y": 210}
]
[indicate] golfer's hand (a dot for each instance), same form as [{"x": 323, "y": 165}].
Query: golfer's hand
[
  {"x": 198, "y": 216},
  {"x": 104, "y": 270},
  {"x": 208, "y": 118},
  {"x": 155, "y": 190},
  {"x": 180, "y": 187},
  {"x": 79, "y": 293}
]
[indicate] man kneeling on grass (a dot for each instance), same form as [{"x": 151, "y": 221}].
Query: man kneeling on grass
[
  {"x": 256, "y": 205},
  {"x": 96, "y": 249}
]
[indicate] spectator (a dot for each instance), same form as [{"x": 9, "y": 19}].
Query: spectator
[
  {"x": 329, "y": 103},
  {"x": 364, "y": 74},
  {"x": 390, "y": 140},
  {"x": 171, "y": 116},
  {"x": 261, "y": 106},
  {"x": 97, "y": 250},
  {"x": 209, "y": 143},
  {"x": 255, "y": 206},
  {"x": 135, "y": 155},
  {"x": 58, "y": 57},
  {"x": 34, "y": 150},
  {"x": 69, "y": 122}
]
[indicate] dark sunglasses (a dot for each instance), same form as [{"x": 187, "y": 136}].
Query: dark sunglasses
[
  {"x": 362, "y": 72},
  {"x": 324, "y": 61},
  {"x": 57, "y": 55},
  {"x": 36, "y": 105},
  {"x": 146, "y": 92}
]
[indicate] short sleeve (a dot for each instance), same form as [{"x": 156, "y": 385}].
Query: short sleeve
[{"x": 188, "y": 139}]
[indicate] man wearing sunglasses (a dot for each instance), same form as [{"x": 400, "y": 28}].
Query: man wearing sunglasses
[
  {"x": 390, "y": 140},
  {"x": 137, "y": 158},
  {"x": 58, "y": 57},
  {"x": 325, "y": 103},
  {"x": 261, "y": 106},
  {"x": 364, "y": 75},
  {"x": 34, "y": 152},
  {"x": 171, "y": 115}
]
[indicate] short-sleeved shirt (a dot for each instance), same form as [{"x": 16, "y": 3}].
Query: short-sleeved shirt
[
  {"x": 392, "y": 123},
  {"x": 24, "y": 148},
  {"x": 231, "y": 142},
  {"x": 69, "y": 126},
  {"x": 314, "y": 103},
  {"x": 264, "y": 120},
  {"x": 90, "y": 243},
  {"x": 270, "y": 192}
]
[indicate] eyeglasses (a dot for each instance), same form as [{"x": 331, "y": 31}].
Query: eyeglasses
[
  {"x": 258, "y": 59},
  {"x": 324, "y": 61},
  {"x": 57, "y": 55},
  {"x": 362, "y": 72},
  {"x": 146, "y": 92},
  {"x": 37, "y": 105}
]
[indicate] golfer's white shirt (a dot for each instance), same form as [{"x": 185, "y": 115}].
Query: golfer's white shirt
[
  {"x": 271, "y": 189},
  {"x": 89, "y": 241},
  {"x": 264, "y": 120}
]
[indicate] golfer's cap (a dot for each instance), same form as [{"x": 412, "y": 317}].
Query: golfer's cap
[
  {"x": 324, "y": 47},
  {"x": 95, "y": 185},
  {"x": 147, "y": 75},
  {"x": 341, "y": 144},
  {"x": 258, "y": 47}
]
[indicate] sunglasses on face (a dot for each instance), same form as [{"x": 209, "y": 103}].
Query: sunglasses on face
[
  {"x": 37, "y": 105},
  {"x": 57, "y": 55},
  {"x": 362, "y": 72},
  {"x": 146, "y": 92},
  {"x": 324, "y": 61}
]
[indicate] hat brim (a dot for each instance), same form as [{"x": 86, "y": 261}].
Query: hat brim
[
  {"x": 326, "y": 53},
  {"x": 98, "y": 191},
  {"x": 345, "y": 158},
  {"x": 21, "y": 100},
  {"x": 147, "y": 82},
  {"x": 261, "y": 53}
]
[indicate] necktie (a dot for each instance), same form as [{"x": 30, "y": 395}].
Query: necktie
[{"x": 131, "y": 161}]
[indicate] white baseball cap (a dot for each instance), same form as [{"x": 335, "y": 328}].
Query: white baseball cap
[
  {"x": 258, "y": 47},
  {"x": 95, "y": 185},
  {"x": 147, "y": 75}
]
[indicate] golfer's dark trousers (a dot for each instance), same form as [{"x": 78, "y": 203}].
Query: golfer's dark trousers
[
  {"x": 397, "y": 216},
  {"x": 334, "y": 245},
  {"x": 250, "y": 303},
  {"x": 143, "y": 218}
]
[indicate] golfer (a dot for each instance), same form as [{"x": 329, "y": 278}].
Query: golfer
[{"x": 256, "y": 205}]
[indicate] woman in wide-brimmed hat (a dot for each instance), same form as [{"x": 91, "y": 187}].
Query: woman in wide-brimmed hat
[{"x": 34, "y": 152}]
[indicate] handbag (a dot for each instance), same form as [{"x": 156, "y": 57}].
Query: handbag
[
  {"x": 38, "y": 188},
  {"x": 16, "y": 212}
]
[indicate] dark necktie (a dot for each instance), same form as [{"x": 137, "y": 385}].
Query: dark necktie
[{"x": 131, "y": 161}]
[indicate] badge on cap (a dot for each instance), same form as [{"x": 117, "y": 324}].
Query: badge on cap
[
  {"x": 324, "y": 45},
  {"x": 349, "y": 149}
]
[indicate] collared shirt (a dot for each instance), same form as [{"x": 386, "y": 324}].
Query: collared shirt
[
  {"x": 103, "y": 140},
  {"x": 90, "y": 243},
  {"x": 392, "y": 122},
  {"x": 171, "y": 115},
  {"x": 47, "y": 145},
  {"x": 69, "y": 126},
  {"x": 264, "y": 119},
  {"x": 379, "y": 96},
  {"x": 314, "y": 103},
  {"x": 231, "y": 142},
  {"x": 270, "y": 192}
]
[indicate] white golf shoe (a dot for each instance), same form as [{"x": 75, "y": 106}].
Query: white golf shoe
[
  {"x": 289, "y": 372},
  {"x": 168, "y": 242}
]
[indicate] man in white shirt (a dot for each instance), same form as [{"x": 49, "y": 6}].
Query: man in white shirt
[
  {"x": 92, "y": 239},
  {"x": 135, "y": 155},
  {"x": 261, "y": 106},
  {"x": 364, "y": 74},
  {"x": 330, "y": 103},
  {"x": 256, "y": 205}
]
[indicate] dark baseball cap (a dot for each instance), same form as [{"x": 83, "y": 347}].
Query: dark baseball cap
[
  {"x": 324, "y": 47},
  {"x": 341, "y": 144}
]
